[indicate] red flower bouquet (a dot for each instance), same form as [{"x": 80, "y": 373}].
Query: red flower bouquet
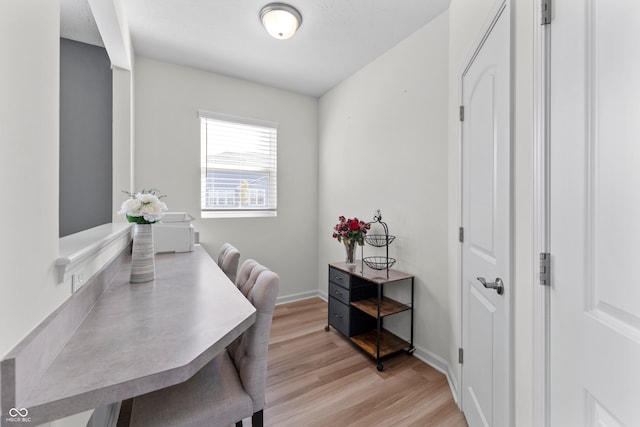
[{"x": 350, "y": 230}]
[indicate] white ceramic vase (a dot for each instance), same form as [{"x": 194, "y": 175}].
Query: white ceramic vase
[{"x": 143, "y": 268}]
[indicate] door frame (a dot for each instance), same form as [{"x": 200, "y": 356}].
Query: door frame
[
  {"x": 499, "y": 7},
  {"x": 541, "y": 215}
]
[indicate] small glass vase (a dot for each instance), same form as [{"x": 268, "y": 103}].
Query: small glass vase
[
  {"x": 143, "y": 267},
  {"x": 350, "y": 246}
]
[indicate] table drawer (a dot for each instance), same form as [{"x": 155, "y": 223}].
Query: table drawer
[
  {"x": 339, "y": 293},
  {"x": 339, "y": 316},
  {"x": 348, "y": 320},
  {"x": 339, "y": 277},
  {"x": 353, "y": 294}
]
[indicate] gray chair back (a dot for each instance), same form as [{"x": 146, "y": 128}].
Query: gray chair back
[
  {"x": 249, "y": 351},
  {"x": 228, "y": 259}
]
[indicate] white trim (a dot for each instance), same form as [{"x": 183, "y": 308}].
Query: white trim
[
  {"x": 300, "y": 297},
  {"x": 114, "y": 31},
  {"x": 499, "y": 7},
  {"x": 78, "y": 250},
  {"x": 237, "y": 119},
  {"x": 541, "y": 294},
  {"x": 231, "y": 213},
  {"x": 442, "y": 366},
  {"x": 490, "y": 21}
]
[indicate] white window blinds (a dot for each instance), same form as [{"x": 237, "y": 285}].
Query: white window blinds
[{"x": 238, "y": 166}]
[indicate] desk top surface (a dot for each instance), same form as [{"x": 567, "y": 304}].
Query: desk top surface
[
  {"x": 143, "y": 337},
  {"x": 379, "y": 277}
]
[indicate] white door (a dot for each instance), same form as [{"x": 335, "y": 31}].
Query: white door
[
  {"x": 486, "y": 220},
  {"x": 595, "y": 213}
]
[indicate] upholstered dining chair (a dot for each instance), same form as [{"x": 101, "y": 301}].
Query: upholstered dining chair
[
  {"x": 232, "y": 386},
  {"x": 228, "y": 259}
]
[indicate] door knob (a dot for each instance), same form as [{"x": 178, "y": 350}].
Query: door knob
[{"x": 498, "y": 285}]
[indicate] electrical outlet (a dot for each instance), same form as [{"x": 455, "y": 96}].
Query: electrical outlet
[{"x": 77, "y": 280}]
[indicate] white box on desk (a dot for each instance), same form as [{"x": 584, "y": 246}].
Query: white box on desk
[
  {"x": 176, "y": 219},
  {"x": 174, "y": 233}
]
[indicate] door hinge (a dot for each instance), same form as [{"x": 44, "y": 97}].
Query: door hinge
[
  {"x": 460, "y": 356},
  {"x": 545, "y": 13},
  {"x": 462, "y": 113},
  {"x": 545, "y": 269},
  {"x": 461, "y": 234}
]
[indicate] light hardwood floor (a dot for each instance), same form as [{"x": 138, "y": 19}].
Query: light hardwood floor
[{"x": 318, "y": 378}]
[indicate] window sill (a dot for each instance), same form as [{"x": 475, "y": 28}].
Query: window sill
[
  {"x": 238, "y": 214},
  {"x": 78, "y": 250}
]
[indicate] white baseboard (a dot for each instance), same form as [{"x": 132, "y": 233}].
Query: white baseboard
[
  {"x": 453, "y": 385},
  {"x": 298, "y": 297},
  {"x": 440, "y": 365}
]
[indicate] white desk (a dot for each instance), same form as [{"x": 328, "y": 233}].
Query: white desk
[{"x": 135, "y": 339}]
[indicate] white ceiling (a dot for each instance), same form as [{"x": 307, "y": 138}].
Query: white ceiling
[
  {"x": 336, "y": 38},
  {"x": 77, "y": 23}
]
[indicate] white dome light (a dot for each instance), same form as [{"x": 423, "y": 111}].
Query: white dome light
[{"x": 280, "y": 20}]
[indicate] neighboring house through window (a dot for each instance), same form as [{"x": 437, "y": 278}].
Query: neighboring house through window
[{"x": 238, "y": 166}]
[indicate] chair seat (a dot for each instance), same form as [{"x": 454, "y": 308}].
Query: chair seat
[{"x": 214, "y": 396}]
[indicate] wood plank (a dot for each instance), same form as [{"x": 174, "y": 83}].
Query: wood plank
[
  {"x": 318, "y": 379},
  {"x": 389, "y": 343},
  {"x": 388, "y": 306},
  {"x": 378, "y": 277}
]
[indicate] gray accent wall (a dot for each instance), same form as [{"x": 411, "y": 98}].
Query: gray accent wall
[{"x": 85, "y": 137}]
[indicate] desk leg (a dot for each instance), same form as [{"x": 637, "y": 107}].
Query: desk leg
[
  {"x": 379, "y": 366},
  {"x": 411, "y": 347}
]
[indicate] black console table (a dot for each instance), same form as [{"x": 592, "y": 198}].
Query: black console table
[{"x": 357, "y": 307}]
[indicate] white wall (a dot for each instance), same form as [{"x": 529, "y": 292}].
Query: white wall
[
  {"x": 466, "y": 18},
  {"x": 167, "y": 156},
  {"x": 390, "y": 116},
  {"x": 29, "y": 290},
  {"x": 383, "y": 145},
  {"x": 122, "y": 156},
  {"x": 30, "y": 46}
]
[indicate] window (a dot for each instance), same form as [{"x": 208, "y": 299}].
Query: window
[{"x": 238, "y": 166}]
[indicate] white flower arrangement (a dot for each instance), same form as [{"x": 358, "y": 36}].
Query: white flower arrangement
[{"x": 144, "y": 207}]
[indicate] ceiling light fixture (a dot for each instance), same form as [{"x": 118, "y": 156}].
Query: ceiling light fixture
[{"x": 280, "y": 20}]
